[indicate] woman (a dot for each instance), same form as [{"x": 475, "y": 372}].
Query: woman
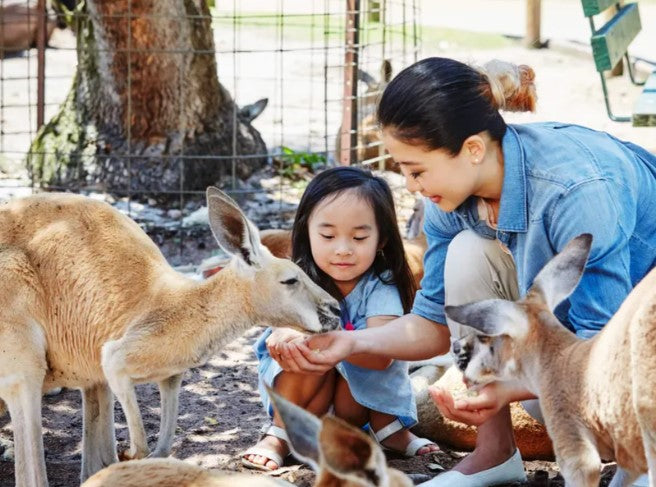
[{"x": 506, "y": 198}]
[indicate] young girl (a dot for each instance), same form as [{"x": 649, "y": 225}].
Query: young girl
[
  {"x": 505, "y": 199},
  {"x": 346, "y": 237}
]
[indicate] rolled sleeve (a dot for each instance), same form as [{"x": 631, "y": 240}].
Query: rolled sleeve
[
  {"x": 593, "y": 207},
  {"x": 440, "y": 228},
  {"x": 384, "y": 300}
]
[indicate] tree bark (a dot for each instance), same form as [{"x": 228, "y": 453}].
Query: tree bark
[{"x": 145, "y": 98}]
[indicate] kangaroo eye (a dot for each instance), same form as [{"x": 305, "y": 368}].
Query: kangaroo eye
[
  {"x": 484, "y": 339},
  {"x": 289, "y": 282}
]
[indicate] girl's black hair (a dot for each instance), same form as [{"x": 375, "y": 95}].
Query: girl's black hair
[
  {"x": 439, "y": 102},
  {"x": 374, "y": 190}
]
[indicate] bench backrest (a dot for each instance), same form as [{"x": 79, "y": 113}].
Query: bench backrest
[{"x": 611, "y": 41}]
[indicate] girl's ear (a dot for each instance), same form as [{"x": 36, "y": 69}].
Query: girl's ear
[{"x": 474, "y": 148}]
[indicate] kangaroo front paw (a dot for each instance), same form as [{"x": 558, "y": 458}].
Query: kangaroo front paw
[{"x": 126, "y": 455}]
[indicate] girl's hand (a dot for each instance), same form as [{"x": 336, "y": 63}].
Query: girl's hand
[
  {"x": 317, "y": 354},
  {"x": 472, "y": 410},
  {"x": 292, "y": 359},
  {"x": 278, "y": 338}
]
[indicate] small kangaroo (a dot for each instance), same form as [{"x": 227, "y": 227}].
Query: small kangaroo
[
  {"x": 341, "y": 454},
  {"x": 169, "y": 472},
  {"x": 88, "y": 301},
  {"x": 598, "y": 396}
]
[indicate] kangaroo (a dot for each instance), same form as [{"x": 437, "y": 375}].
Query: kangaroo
[
  {"x": 88, "y": 301},
  {"x": 169, "y": 472},
  {"x": 341, "y": 454},
  {"x": 597, "y": 396}
]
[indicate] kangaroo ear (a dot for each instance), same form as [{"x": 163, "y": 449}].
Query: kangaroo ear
[
  {"x": 232, "y": 230},
  {"x": 556, "y": 281},
  {"x": 369, "y": 80},
  {"x": 349, "y": 453},
  {"x": 491, "y": 317},
  {"x": 386, "y": 71},
  {"x": 252, "y": 111},
  {"x": 302, "y": 429}
]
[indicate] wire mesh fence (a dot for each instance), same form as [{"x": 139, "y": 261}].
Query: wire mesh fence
[{"x": 145, "y": 103}]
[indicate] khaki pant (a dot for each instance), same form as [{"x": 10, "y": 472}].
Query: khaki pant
[{"x": 475, "y": 269}]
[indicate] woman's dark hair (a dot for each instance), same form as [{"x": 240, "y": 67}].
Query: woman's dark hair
[
  {"x": 375, "y": 191},
  {"x": 439, "y": 102}
]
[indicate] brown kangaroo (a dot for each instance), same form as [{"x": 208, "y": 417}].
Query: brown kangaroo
[
  {"x": 598, "y": 396},
  {"x": 88, "y": 301}
]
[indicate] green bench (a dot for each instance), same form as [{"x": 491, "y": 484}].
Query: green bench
[{"x": 609, "y": 45}]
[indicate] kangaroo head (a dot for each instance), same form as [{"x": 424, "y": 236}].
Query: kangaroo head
[
  {"x": 500, "y": 328},
  {"x": 283, "y": 294},
  {"x": 341, "y": 454}
]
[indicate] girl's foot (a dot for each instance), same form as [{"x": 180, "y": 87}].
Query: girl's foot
[
  {"x": 268, "y": 454},
  {"x": 399, "y": 442}
]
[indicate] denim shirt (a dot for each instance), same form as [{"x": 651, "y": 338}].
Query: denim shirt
[{"x": 559, "y": 181}]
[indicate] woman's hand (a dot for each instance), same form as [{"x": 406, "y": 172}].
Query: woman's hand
[{"x": 472, "y": 410}]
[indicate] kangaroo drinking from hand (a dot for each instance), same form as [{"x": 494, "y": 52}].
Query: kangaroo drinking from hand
[
  {"x": 598, "y": 396},
  {"x": 88, "y": 301}
]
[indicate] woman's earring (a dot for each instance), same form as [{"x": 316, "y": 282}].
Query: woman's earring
[{"x": 380, "y": 253}]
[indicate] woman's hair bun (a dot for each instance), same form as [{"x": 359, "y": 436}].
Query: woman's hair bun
[{"x": 511, "y": 86}]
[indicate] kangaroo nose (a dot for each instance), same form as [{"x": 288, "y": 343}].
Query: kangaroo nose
[{"x": 335, "y": 310}]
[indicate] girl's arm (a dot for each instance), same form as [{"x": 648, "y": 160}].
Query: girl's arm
[
  {"x": 371, "y": 361},
  {"x": 410, "y": 337}
]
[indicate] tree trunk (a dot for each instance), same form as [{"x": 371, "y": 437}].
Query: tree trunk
[{"x": 144, "y": 99}]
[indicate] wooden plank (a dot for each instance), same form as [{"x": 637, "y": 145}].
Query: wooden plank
[
  {"x": 594, "y": 7},
  {"x": 644, "y": 112},
  {"x": 610, "y": 42},
  {"x": 608, "y": 15}
]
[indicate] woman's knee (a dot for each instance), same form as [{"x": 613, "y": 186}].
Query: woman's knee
[
  {"x": 532, "y": 407},
  {"x": 478, "y": 268}
]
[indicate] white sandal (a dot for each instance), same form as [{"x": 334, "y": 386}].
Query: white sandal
[
  {"x": 411, "y": 448},
  {"x": 272, "y": 455}
]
